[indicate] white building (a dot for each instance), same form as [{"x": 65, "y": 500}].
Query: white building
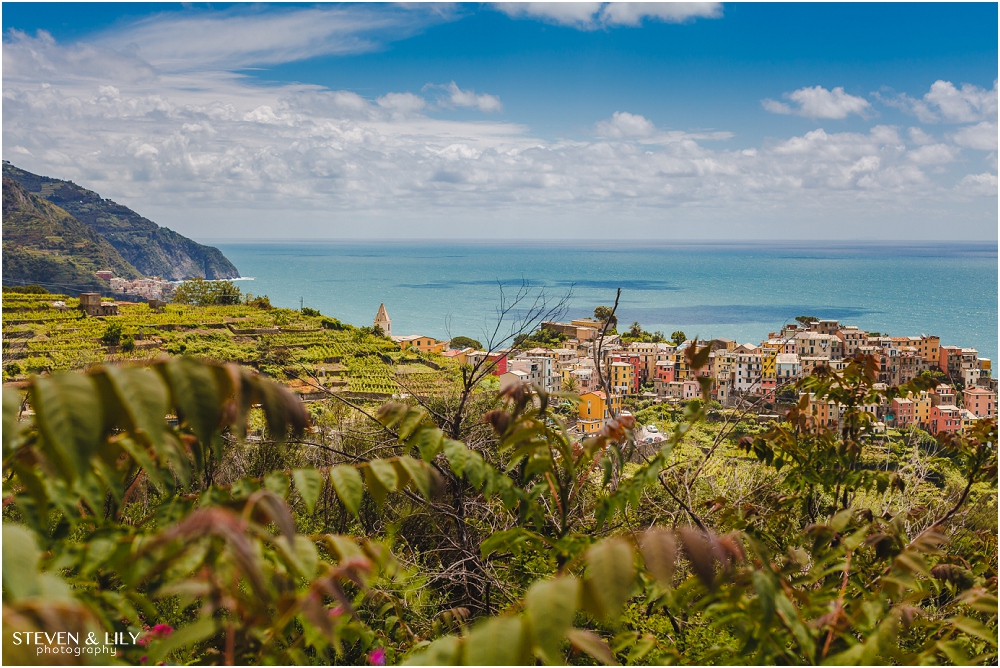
[{"x": 382, "y": 320}]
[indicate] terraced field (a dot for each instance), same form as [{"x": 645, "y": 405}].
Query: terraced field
[{"x": 300, "y": 350}]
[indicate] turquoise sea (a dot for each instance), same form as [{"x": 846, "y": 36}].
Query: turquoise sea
[{"x": 740, "y": 291}]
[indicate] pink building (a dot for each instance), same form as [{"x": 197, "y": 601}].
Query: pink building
[
  {"x": 945, "y": 418},
  {"x": 692, "y": 389},
  {"x": 902, "y": 410},
  {"x": 665, "y": 371},
  {"x": 980, "y": 401}
]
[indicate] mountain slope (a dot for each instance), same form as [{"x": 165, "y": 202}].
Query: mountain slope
[
  {"x": 153, "y": 250},
  {"x": 44, "y": 244}
]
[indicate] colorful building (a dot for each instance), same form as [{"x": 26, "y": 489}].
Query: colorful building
[
  {"x": 980, "y": 401},
  {"x": 595, "y": 409},
  {"x": 945, "y": 417},
  {"x": 420, "y": 343}
]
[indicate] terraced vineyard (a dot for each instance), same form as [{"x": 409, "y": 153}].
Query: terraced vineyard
[{"x": 40, "y": 335}]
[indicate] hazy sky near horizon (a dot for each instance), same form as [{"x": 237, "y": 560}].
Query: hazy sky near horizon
[{"x": 561, "y": 120}]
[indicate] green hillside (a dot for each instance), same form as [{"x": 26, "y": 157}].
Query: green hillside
[
  {"x": 44, "y": 244},
  {"x": 151, "y": 249}
]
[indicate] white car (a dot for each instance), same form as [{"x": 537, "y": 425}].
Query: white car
[{"x": 652, "y": 429}]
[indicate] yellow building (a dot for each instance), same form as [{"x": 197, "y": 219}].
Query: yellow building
[
  {"x": 460, "y": 356},
  {"x": 682, "y": 370},
  {"x": 769, "y": 361},
  {"x": 423, "y": 344},
  {"x": 594, "y": 410},
  {"x": 622, "y": 378}
]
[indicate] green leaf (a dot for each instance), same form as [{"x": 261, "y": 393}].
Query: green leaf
[
  {"x": 496, "y": 642},
  {"x": 70, "y": 417},
  {"x": 420, "y": 473},
  {"x": 445, "y": 651},
  {"x": 911, "y": 562},
  {"x": 187, "y": 636},
  {"x": 551, "y": 605},
  {"x": 428, "y": 442},
  {"x": 840, "y": 521},
  {"x": 11, "y": 426},
  {"x": 309, "y": 484},
  {"x": 609, "y": 577},
  {"x": 20, "y": 562},
  {"x": 141, "y": 456},
  {"x": 378, "y": 491},
  {"x": 347, "y": 483},
  {"x": 194, "y": 393},
  {"x": 143, "y": 397},
  {"x": 277, "y": 482},
  {"x": 591, "y": 643},
  {"x": 968, "y": 625},
  {"x": 765, "y": 595},
  {"x": 456, "y": 452},
  {"x": 385, "y": 473},
  {"x": 790, "y": 616},
  {"x": 410, "y": 423}
]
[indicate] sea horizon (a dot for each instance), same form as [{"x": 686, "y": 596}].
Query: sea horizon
[{"x": 734, "y": 289}]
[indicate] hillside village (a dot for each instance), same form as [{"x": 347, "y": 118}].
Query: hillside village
[
  {"x": 754, "y": 377},
  {"x": 46, "y": 333}
]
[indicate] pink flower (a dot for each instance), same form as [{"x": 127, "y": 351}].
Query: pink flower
[
  {"x": 144, "y": 659},
  {"x": 336, "y": 612},
  {"x": 163, "y": 629},
  {"x": 377, "y": 657}
]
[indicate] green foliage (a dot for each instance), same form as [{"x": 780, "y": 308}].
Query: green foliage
[
  {"x": 262, "y": 302},
  {"x": 678, "y": 337},
  {"x": 517, "y": 541},
  {"x": 463, "y": 342},
  {"x": 806, "y": 319},
  {"x": 199, "y": 292},
  {"x": 310, "y": 311},
  {"x": 542, "y": 338},
  {"x": 603, "y": 314},
  {"x": 112, "y": 335},
  {"x": 26, "y": 289},
  {"x": 637, "y": 333}
]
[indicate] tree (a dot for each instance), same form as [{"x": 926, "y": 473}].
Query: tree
[
  {"x": 199, "y": 292},
  {"x": 262, "y": 302},
  {"x": 678, "y": 337},
  {"x": 635, "y": 330},
  {"x": 806, "y": 319},
  {"x": 26, "y": 289},
  {"x": 463, "y": 342},
  {"x": 605, "y": 314},
  {"x": 112, "y": 335}
]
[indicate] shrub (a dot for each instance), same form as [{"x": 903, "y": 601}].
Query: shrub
[{"x": 112, "y": 335}]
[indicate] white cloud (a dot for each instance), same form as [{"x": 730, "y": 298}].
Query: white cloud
[
  {"x": 982, "y": 136},
  {"x": 818, "y": 102},
  {"x": 246, "y": 35},
  {"x": 946, "y": 103},
  {"x": 965, "y": 105},
  {"x": 634, "y": 127},
  {"x": 933, "y": 154},
  {"x": 402, "y": 103},
  {"x": 575, "y": 14},
  {"x": 633, "y": 13},
  {"x": 199, "y": 145},
  {"x": 469, "y": 98},
  {"x": 625, "y": 125},
  {"x": 919, "y": 137},
  {"x": 592, "y": 15},
  {"x": 980, "y": 185}
]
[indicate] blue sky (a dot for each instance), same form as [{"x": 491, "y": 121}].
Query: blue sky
[{"x": 761, "y": 121}]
